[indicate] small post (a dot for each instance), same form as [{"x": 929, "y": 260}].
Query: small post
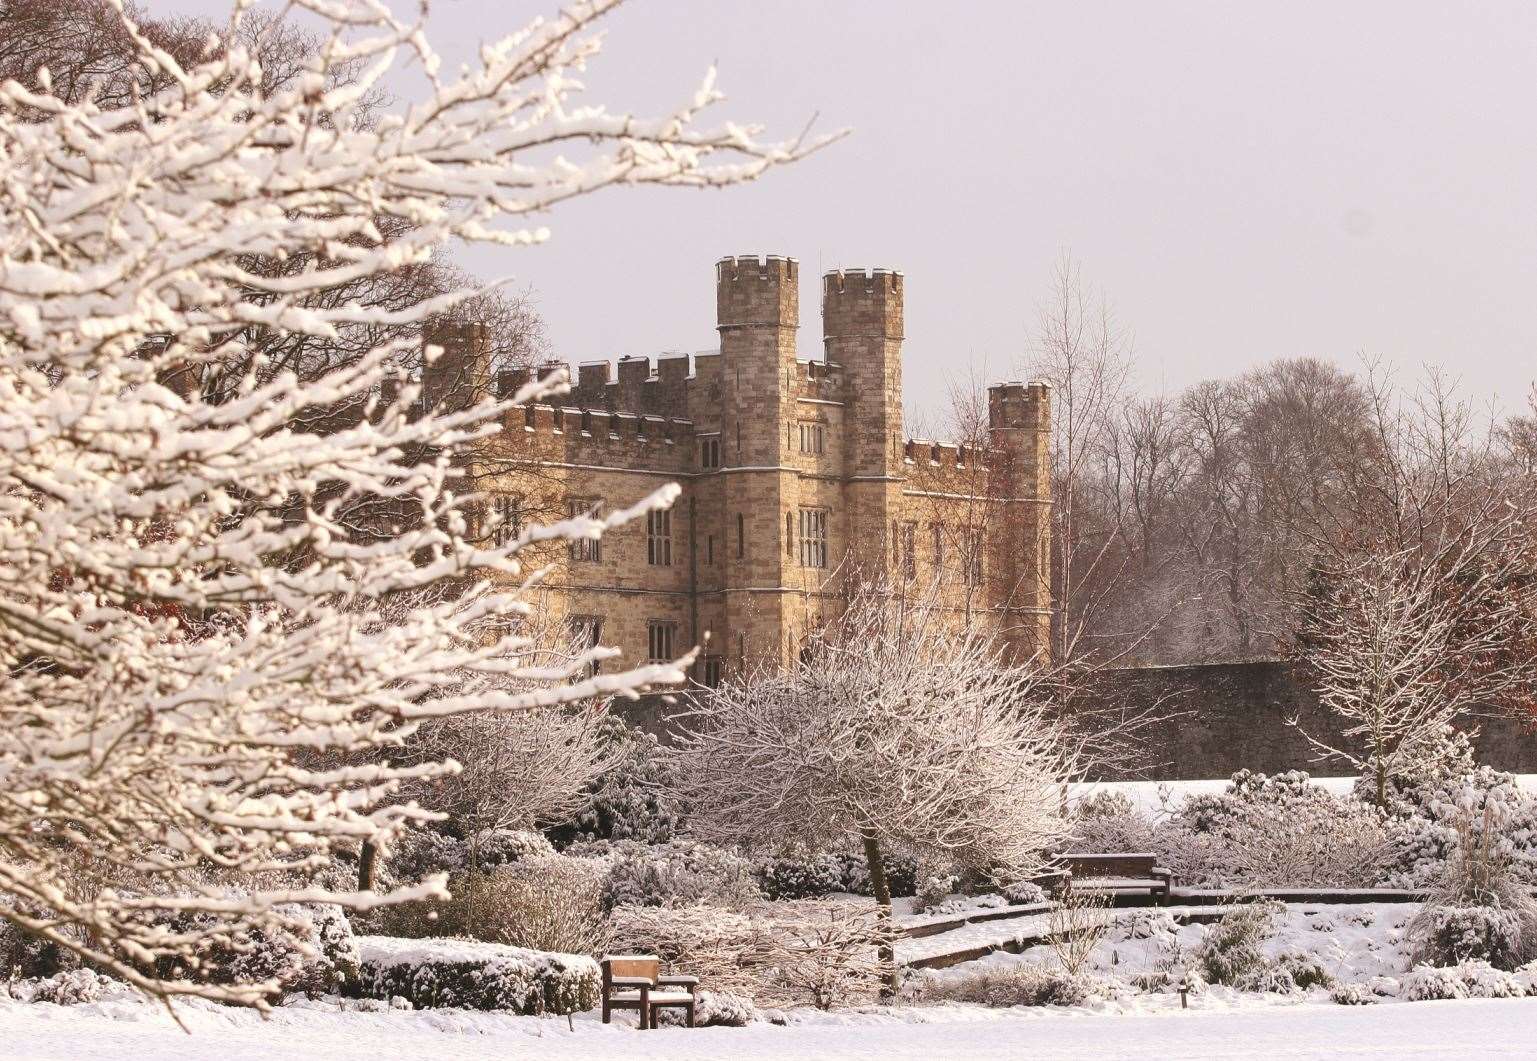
[{"x": 1184, "y": 991}]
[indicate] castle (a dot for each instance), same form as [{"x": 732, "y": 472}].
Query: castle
[{"x": 796, "y": 479}]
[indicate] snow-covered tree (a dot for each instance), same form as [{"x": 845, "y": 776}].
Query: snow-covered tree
[
  {"x": 1405, "y": 643},
  {"x": 894, "y": 727},
  {"x": 187, "y": 623}
]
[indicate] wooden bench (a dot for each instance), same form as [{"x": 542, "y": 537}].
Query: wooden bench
[
  {"x": 1109, "y": 872},
  {"x": 635, "y": 981}
]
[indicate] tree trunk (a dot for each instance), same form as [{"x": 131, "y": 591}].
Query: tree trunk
[
  {"x": 1382, "y": 785},
  {"x": 367, "y": 859},
  {"x": 882, "y": 891}
]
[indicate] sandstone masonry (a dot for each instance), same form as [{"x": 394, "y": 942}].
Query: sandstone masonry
[{"x": 796, "y": 477}]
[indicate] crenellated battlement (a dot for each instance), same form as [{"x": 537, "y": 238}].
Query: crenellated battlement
[
  {"x": 600, "y": 437},
  {"x": 948, "y": 456},
  {"x": 1024, "y": 406}
]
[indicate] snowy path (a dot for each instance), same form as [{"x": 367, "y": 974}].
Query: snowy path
[{"x": 1444, "y": 1030}]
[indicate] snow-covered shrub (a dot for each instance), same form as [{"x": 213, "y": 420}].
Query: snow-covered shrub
[
  {"x": 553, "y": 903},
  {"x": 678, "y": 873},
  {"x": 71, "y": 988},
  {"x": 313, "y": 952},
  {"x": 23, "y": 955},
  {"x": 933, "y": 891},
  {"x": 1450, "y": 935},
  {"x": 1103, "y": 803},
  {"x": 1016, "y": 984},
  {"x": 1470, "y": 979},
  {"x": 716, "y": 1009},
  {"x": 800, "y": 876},
  {"x": 500, "y": 847},
  {"x": 901, "y": 872},
  {"x": 426, "y": 851},
  {"x": 466, "y": 974},
  {"x": 1023, "y": 893},
  {"x": 717, "y": 945},
  {"x": 1108, "y": 821},
  {"x": 1430, "y": 815},
  {"x": 1352, "y": 995},
  {"x": 1303, "y": 970},
  {"x": 820, "y": 952},
  {"x": 1269, "y": 831},
  {"x": 1483, "y": 906},
  {"x": 1231, "y": 951},
  {"x": 629, "y": 800}
]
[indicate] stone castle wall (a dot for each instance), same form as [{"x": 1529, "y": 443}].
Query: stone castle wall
[{"x": 755, "y": 437}]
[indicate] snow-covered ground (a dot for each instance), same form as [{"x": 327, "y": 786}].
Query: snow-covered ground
[
  {"x": 1214, "y": 1027},
  {"x": 1151, "y": 797}
]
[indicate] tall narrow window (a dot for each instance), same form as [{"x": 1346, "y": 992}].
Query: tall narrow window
[
  {"x": 709, "y": 452},
  {"x": 509, "y": 519},
  {"x": 709, "y": 550},
  {"x": 813, "y": 537},
  {"x": 659, "y": 639},
  {"x": 909, "y": 541},
  {"x": 813, "y": 437},
  {"x": 586, "y": 632},
  {"x": 790, "y": 535},
  {"x": 938, "y": 531},
  {"x": 659, "y": 537},
  {"x": 584, "y": 550},
  {"x": 710, "y": 672},
  {"x": 975, "y": 548},
  {"x": 741, "y": 536}
]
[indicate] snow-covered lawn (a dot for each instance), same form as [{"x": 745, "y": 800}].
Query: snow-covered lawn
[{"x": 1216, "y": 1026}]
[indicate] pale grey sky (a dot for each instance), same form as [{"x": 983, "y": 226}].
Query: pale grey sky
[{"x": 1245, "y": 181}]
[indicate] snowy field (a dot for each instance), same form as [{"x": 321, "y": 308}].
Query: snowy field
[
  {"x": 1151, "y": 797},
  {"x": 1214, "y": 1027}
]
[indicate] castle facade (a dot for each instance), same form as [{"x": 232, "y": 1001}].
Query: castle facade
[{"x": 797, "y": 481}]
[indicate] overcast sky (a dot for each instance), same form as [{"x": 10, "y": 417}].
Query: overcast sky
[{"x": 1244, "y": 181}]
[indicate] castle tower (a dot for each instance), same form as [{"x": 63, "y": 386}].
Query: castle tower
[
  {"x": 1019, "y": 429},
  {"x": 461, "y": 374},
  {"x": 757, "y": 306},
  {"x": 862, "y": 324}
]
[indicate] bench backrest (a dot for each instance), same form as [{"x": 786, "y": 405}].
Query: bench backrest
[
  {"x": 1139, "y": 864},
  {"x": 646, "y": 965}
]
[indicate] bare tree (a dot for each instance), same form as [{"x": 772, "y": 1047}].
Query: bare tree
[{"x": 895, "y": 727}]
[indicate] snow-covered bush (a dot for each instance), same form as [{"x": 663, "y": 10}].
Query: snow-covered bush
[
  {"x": 1304, "y": 971},
  {"x": 678, "y": 873},
  {"x": 933, "y": 891},
  {"x": 1231, "y": 951},
  {"x": 901, "y": 873},
  {"x": 24, "y": 955},
  {"x": 1429, "y": 816},
  {"x": 1276, "y": 831},
  {"x": 629, "y": 800},
  {"x": 820, "y": 952},
  {"x": 72, "y": 988},
  {"x": 800, "y": 876},
  {"x": 313, "y": 952},
  {"x": 1482, "y": 907},
  {"x": 423, "y": 852},
  {"x": 1469, "y": 979},
  {"x": 552, "y": 903},
  {"x": 1023, "y": 893},
  {"x": 1015, "y": 984},
  {"x": 500, "y": 847},
  {"x": 1352, "y": 995},
  {"x": 717, "y": 945},
  {"x": 716, "y": 1009},
  {"x": 465, "y": 974}
]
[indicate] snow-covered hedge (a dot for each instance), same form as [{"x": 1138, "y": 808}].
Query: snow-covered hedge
[
  {"x": 814, "y": 875},
  {"x": 678, "y": 873},
  {"x": 463, "y": 974}
]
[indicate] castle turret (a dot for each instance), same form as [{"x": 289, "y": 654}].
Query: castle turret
[
  {"x": 461, "y": 374},
  {"x": 1019, "y": 430},
  {"x": 862, "y": 331}
]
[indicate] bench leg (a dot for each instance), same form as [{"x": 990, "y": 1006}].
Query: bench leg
[
  {"x": 691, "y": 1013},
  {"x": 606, "y": 1011}
]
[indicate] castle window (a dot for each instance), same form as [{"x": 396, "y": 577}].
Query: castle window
[
  {"x": 709, "y": 550},
  {"x": 813, "y": 437},
  {"x": 938, "y": 531},
  {"x": 528, "y": 416},
  {"x": 741, "y": 536},
  {"x": 974, "y": 548},
  {"x": 709, "y": 453},
  {"x": 660, "y": 635},
  {"x": 790, "y": 535},
  {"x": 710, "y": 672},
  {"x": 586, "y": 632},
  {"x": 813, "y": 537},
  {"x": 659, "y": 537},
  {"x": 584, "y": 550},
  {"x": 509, "y": 519},
  {"x": 909, "y": 551},
  {"x": 586, "y": 422}
]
